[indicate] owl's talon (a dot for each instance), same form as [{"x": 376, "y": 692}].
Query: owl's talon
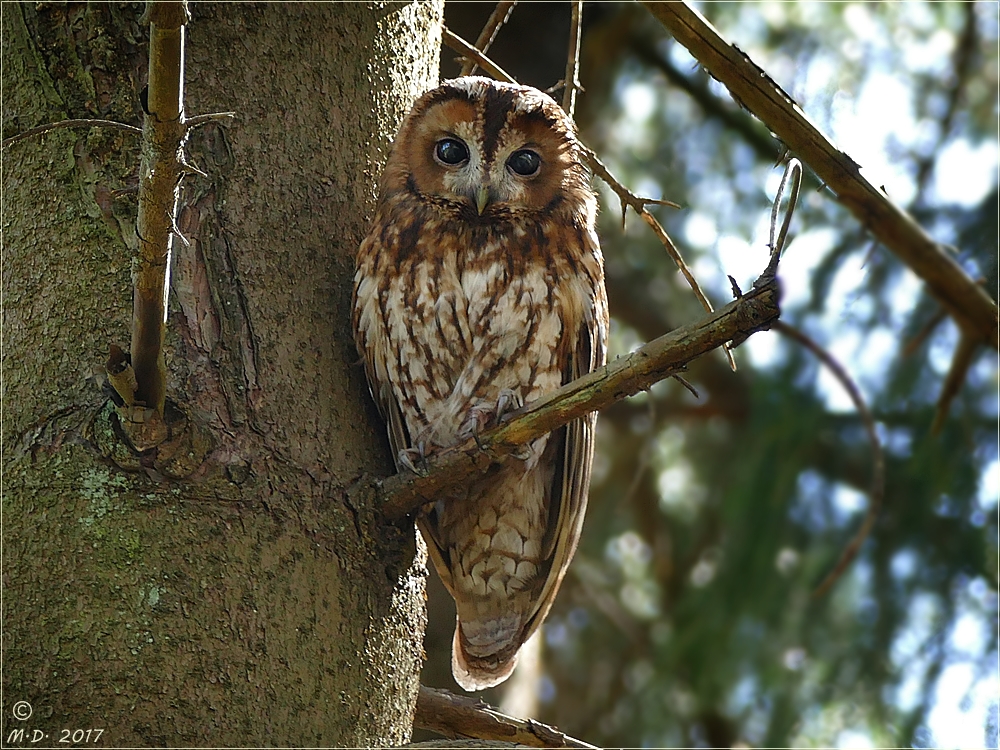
[
  {"x": 481, "y": 416},
  {"x": 508, "y": 401},
  {"x": 414, "y": 459},
  {"x": 475, "y": 422}
]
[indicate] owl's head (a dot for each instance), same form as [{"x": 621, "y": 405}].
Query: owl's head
[{"x": 484, "y": 148}]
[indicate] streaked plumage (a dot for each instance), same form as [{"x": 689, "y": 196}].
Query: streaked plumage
[{"x": 481, "y": 282}]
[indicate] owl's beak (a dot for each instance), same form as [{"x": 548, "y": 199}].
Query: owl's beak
[{"x": 482, "y": 198}]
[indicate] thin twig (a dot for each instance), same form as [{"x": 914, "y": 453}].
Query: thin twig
[
  {"x": 961, "y": 361},
  {"x": 793, "y": 169},
  {"x": 966, "y": 301},
  {"x": 924, "y": 333},
  {"x": 631, "y": 200},
  {"x": 464, "y": 48},
  {"x": 659, "y": 359},
  {"x": 194, "y": 122},
  {"x": 626, "y": 196},
  {"x": 458, "y": 716},
  {"x": 572, "y": 78},
  {"x": 686, "y": 384},
  {"x": 497, "y": 19},
  {"x": 678, "y": 259},
  {"x": 877, "y": 491},
  {"x": 69, "y": 124}
]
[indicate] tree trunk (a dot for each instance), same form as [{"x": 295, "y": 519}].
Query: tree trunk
[{"x": 234, "y": 586}]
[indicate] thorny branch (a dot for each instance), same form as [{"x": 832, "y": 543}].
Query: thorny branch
[{"x": 459, "y": 716}]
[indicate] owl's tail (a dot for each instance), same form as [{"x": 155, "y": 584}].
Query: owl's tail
[{"x": 484, "y": 652}]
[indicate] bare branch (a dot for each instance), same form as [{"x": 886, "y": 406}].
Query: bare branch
[
  {"x": 877, "y": 491},
  {"x": 793, "y": 170},
  {"x": 464, "y": 48},
  {"x": 459, "y": 716},
  {"x": 967, "y": 302},
  {"x": 197, "y": 120},
  {"x": 159, "y": 180},
  {"x": 572, "y": 78},
  {"x": 493, "y": 25},
  {"x": 41, "y": 129},
  {"x": 626, "y": 196},
  {"x": 659, "y": 359},
  {"x": 965, "y": 354},
  {"x": 675, "y": 254}
]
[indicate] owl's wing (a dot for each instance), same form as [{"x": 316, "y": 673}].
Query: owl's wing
[
  {"x": 372, "y": 339},
  {"x": 388, "y": 406},
  {"x": 571, "y": 484}
]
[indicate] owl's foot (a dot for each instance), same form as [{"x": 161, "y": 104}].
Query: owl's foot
[
  {"x": 414, "y": 459},
  {"x": 477, "y": 420},
  {"x": 507, "y": 402},
  {"x": 484, "y": 415}
]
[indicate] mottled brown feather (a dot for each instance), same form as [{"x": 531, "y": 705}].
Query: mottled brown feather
[{"x": 453, "y": 309}]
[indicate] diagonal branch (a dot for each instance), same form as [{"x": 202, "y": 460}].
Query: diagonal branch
[
  {"x": 458, "y": 44},
  {"x": 877, "y": 491},
  {"x": 661, "y": 358},
  {"x": 489, "y": 33},
  {"x": 966, "y": 301},
  {"x": 962, "y": 360},
  {"x": 460, "y": 716}
]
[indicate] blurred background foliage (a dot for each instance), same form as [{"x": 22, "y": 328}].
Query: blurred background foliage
[{"x": 687, "y": 618}]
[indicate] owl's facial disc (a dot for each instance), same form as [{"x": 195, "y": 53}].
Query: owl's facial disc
[{"x": 490, "y": 154}]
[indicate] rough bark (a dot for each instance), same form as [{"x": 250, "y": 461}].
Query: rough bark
[{"x": 237, "y": 586}]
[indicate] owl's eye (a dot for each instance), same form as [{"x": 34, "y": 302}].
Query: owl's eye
[
  {"x": 524, "y": 162},
  {"x": 451, "y": 151}
]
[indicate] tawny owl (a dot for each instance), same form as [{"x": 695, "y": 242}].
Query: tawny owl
[{"x": 480, "y": 287}]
